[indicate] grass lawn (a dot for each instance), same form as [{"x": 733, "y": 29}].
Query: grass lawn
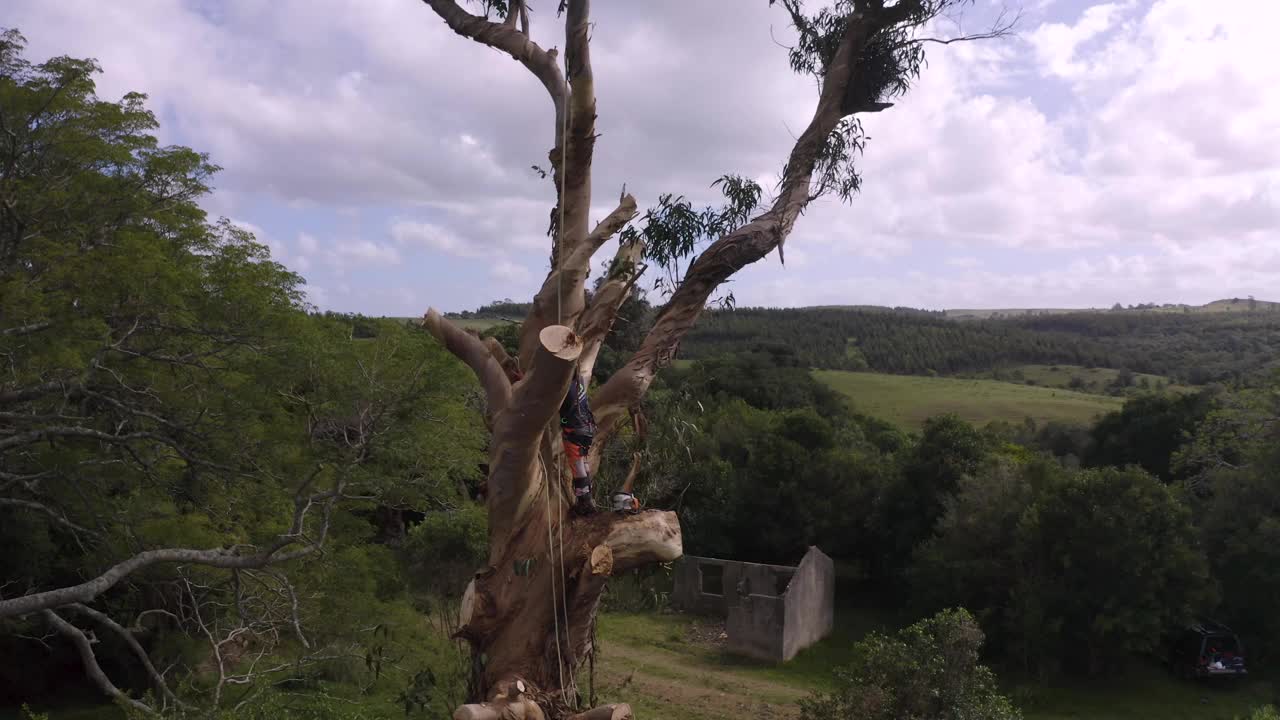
[
  {"x": 671, "y": 667},
  {"x": 1145, "y": 691},
  {"x": 908, "y": 400}
]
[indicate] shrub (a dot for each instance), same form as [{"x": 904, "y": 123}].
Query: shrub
[{"x": 929, "y": 671}]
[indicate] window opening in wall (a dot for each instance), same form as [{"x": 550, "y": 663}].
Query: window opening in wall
[
  {"x": 781, "y": 581},
  {"x": 712, "y": 579}
]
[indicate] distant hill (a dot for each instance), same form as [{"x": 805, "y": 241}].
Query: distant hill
[
  {"x": 997, "y": 313},
  {"x": 1239, "y": 305},
  {"x": 1186, "y": 347}
]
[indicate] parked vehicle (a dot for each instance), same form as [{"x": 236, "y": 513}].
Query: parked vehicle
[{"x": 1207, "y": 649}]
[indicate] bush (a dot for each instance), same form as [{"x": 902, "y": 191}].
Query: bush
[{"x": 929, "y": 671}]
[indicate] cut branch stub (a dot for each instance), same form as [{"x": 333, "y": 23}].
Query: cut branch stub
[
  {"x": 652, "y": 536},
  {"x": 602, "y": 561},
  {"x": 561, "y": 342}
]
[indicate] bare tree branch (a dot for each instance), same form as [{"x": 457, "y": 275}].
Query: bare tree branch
[
  {"x": 30, "y": 393},
  {"x": 90, "y": 661},
  {"x": 25, "y": 329},
  {"x": 562, "y": 296},
  {"x": 473, "y": 351},
  {"x": 542, "y": 63},
  {"x": 597, "y": 321},
  {"x": 227, "y": 558},
  {"x": 740, "y": 248},
  {"x": 33, "y": 436},
  {"x": 57, "y": 517},
  {"x": 134, "y": 645},
  {"x": 605, "y": 230},
  {"x": 88, "y": 590}
]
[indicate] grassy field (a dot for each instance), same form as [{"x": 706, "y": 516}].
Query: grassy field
[
  {"x": 908, "y": 400},
  {"x": 673, "y": 667}
]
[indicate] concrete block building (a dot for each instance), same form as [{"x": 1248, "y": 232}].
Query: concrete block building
[{"x": 771, "y": 612}]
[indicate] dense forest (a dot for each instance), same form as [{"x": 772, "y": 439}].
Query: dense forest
[{"x": 1194, "y": 349}]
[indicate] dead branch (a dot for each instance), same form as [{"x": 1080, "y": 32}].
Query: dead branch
[
  {"x": 25, "y": 329},
  {"x": 226, "y": 558},
  {"x": 57, "y": 517},
  {"x": 85, "y": 646},
  {"x": 134, "y": 645},
  {"x": 9, "y": 397}
]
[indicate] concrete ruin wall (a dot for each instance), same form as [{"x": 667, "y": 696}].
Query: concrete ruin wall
[
  {"x": 811, "y": 603},
  {"x": 771, "y": 611}
]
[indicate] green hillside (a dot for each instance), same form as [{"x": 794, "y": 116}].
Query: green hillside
[{"x": 908, "y": 400}]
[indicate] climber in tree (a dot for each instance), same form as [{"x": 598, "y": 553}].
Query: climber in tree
[{"x": 579, "y": 428}]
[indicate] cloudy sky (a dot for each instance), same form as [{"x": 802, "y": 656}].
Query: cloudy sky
[{"x": 1125, "y": 151}]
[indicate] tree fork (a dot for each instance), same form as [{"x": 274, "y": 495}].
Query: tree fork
[{"x": 528, "y": 613}]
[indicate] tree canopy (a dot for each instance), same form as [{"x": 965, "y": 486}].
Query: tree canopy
[{"x": 184, "y": 450}]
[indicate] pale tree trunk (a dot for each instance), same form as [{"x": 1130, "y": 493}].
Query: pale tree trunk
[{"x": 529, "y": 612}]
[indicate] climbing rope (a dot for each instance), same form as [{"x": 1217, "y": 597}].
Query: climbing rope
[
  {"x": 555, "y": 612},
  {"x": 563, "y": 603}
]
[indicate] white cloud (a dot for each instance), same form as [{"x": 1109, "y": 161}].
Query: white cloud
[
  {"x": 1056, "y": 44},
  {"x": 276, "y": 247},
  {"x": 509, "y": 272},
  {"x": 362, "y": 252},
  {"x": 317, "y": 296},
  {"x": 431, "y": 235},
  {"x": 1140, "y": 130}
]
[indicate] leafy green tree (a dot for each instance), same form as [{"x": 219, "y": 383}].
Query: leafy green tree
[
  {"x": 1109, "y": 561},
  {"x": 928, "y": 671},
  {"x": 179, "y": 439},
  {"x": 948, "y": 450},
  {"x": 1232, "y": 463},
  {"x": 1147, "y": 432},
  {"x": 973, "y": 560}
]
